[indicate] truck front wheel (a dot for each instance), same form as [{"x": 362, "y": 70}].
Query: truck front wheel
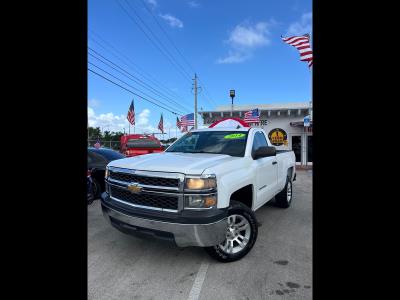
[{"x": 241, "y": 234}]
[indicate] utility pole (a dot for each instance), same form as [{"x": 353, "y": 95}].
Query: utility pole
[{"x": 195, "y": 101}]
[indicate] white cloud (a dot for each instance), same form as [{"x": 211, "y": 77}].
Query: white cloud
[
  {"x": 172, "y": 21},
  {"x": 233, "y": 57},
  {"x": 249, "y": 36},
  {"x": 143, "y": 119},
  {"x": 244, "y": 38},
  {"x": 115, "y": 123},
  {"x": 193, "y": 4},
  {"x": 152, "y": 3},
  {"x": 303, "y": 26},
  {"x": 94, "y": 102}
]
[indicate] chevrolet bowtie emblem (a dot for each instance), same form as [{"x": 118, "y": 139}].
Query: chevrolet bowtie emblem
[{"x": 135, "y": 188}]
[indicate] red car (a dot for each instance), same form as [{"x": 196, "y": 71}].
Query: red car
[{"x": 139, "y": 144}]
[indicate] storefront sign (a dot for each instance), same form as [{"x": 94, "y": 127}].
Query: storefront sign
[
  {"x": 261, "y": 123},
  {"x": 278, "y": 137}
]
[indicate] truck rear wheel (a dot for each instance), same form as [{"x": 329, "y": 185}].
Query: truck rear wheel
[
  {"x": 284, "y": 198},
  {"x": 241, "y": 234}
]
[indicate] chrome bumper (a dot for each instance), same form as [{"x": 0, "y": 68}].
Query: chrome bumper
[{"x": 202, "y": 235}]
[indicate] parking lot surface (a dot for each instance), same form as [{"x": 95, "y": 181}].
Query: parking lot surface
[{"x": 278, "y": 267}]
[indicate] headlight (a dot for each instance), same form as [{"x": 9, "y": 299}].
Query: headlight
[
  {"x": 207, "y": 183},
  {"x": 200, "y": 201}
]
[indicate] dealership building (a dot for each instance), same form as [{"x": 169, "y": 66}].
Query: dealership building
[{"x": 283, "y": 122}]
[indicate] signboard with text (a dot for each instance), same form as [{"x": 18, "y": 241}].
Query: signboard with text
[{"x": 278, "y": 137}]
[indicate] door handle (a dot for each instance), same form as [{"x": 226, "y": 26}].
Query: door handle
[{"x": 274, "y": 162}]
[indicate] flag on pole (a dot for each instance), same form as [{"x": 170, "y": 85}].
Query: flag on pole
[
  {"x": 161, "y": 124},
  {"x": 301, "y": 43},
  {"x": 187, "y": 120},
  {"x": 252, "y": 116},
  {"x": 178, "y": 123},
  {"x": 131, "y": 114},
  {"x": 97, "y": 145}
]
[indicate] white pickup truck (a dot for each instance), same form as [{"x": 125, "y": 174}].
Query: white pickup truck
[{"x": 202, "y": 191}]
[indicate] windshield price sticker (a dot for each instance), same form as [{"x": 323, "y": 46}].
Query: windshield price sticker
[{"x": 235, "y": 136}]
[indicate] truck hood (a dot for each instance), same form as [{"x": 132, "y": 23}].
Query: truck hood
[{"x": 186, "y": 163}]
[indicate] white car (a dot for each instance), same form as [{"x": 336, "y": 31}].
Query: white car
[{"x": 202, "y": 191}]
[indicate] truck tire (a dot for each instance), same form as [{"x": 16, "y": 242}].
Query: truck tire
[
  {"x": 96, "y": 189},
  {"x": 284, "y": 198},
  {"x": 240, "y": 236}
]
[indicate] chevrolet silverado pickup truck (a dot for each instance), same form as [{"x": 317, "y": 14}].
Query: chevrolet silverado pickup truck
[{"x": 201, "y": 191}]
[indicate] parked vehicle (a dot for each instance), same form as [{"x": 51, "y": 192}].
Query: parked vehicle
[
  {"x": 202, "y": 191},
  {"x": 90, "y": 195},
  {"x": 96, "y": 164},
  {"x": 139, "y": 144}
]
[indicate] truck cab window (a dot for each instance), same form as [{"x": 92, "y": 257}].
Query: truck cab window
[{"x": 259, "y": 141}]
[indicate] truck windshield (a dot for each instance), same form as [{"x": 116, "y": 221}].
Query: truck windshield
[
  {"x": 142, "y": 143},
  {"x": 218, "y": 142}
]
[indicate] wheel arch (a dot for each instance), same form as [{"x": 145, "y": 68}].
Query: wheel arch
[{"x": 244, "y": 195}]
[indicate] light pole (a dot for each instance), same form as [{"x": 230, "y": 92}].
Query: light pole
[{"x": 232, "y": 95}]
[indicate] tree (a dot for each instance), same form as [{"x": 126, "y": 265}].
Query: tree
[{"x": 95, "y": 133}]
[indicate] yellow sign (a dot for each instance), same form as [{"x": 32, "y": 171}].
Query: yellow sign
[
  {"x": 234, "y": 136},
  {"x": 278, "y": 137}
]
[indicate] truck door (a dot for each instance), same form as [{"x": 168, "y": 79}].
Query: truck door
[{"x": 266, "y": 172}]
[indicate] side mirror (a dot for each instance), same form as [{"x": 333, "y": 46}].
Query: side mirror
[{"x": 265, "y": 151}]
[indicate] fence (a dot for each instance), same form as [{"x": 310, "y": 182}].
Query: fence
[{"x": 115, "y": 145}]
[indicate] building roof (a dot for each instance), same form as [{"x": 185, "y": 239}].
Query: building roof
[{"x": 278, "y": 106}]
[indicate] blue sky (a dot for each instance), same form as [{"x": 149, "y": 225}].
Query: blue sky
[{"x": 230, "y": 44}]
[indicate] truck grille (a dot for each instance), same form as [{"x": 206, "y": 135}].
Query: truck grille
[
  {"x": 158, "y": 201},
  {"x": 156, "y": 181}
]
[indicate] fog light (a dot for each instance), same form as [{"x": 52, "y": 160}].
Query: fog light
[{"x": 200, "y": 201}]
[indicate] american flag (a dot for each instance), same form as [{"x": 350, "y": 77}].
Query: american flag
[
  {"x": 187, "y": 120},
  {"x": 131, "y": 114},
  {"x": 161, "y": 124},
  {"x": 97, "y": 145},
  {"x": 301, "y": 43},
  {"x": 252, "y": 116}
]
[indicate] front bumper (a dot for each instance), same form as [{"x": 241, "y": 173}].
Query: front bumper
[{"x": 202, "y": 235}]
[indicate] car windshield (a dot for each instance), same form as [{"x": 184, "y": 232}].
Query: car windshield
[
  {"x": 217, "y": 142},
  {"x": 142, "y": 143}
]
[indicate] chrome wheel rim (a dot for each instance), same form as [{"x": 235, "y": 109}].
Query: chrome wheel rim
[
  {"x": 289, "y": 191},
  {"x": 237, "y": 234}
]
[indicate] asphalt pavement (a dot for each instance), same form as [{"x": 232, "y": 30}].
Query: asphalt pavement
[{"x": 278, "y": 267}]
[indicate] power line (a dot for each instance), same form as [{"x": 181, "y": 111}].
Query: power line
[
  {"x": 133, "y": 65},
  {"x": 134, "y": 78},
  {"x": 209, "y": 99},
  {"x": 158, "y": 40},
  {"x": 151, "y": 40},
  {"x": 166, "y": 34},
  {"x": 176, "y": 48},
  {"x": 135, "y": 88},
  {"x": 130, "y": 85},
  {"x": 144, "y": 98}
]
